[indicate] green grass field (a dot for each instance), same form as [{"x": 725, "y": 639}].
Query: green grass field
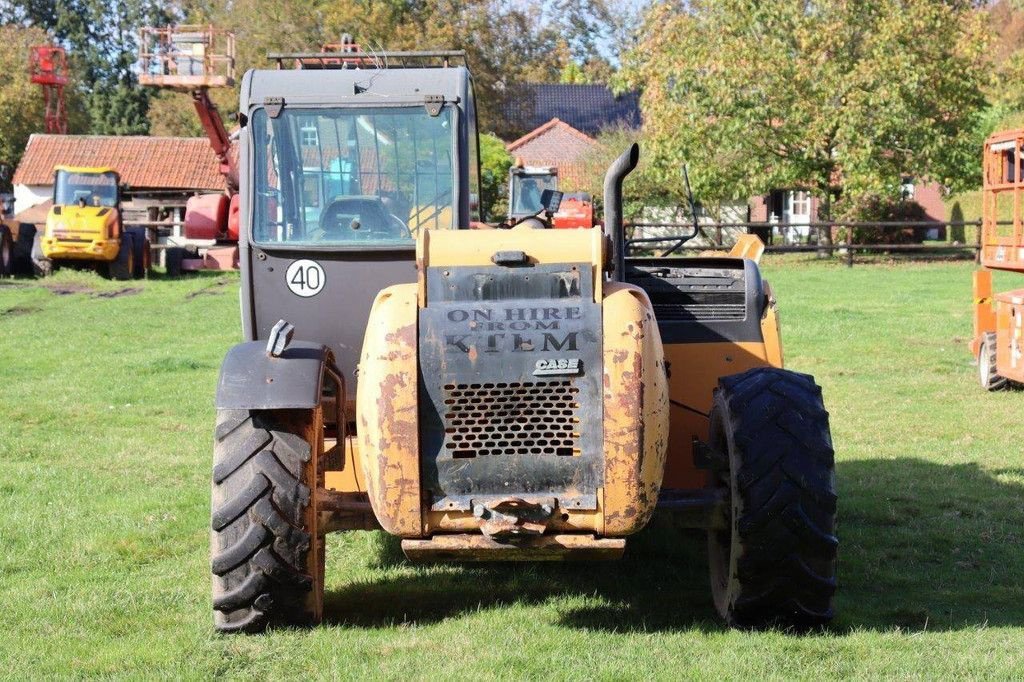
[{"x": 106, "y": 393}]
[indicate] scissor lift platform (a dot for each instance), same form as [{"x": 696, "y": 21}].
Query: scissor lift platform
[{"x": 998, "y": 341}]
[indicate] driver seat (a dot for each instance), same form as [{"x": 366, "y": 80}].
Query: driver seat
[{"x": 336, "y": 219}]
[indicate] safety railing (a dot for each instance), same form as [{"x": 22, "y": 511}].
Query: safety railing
[{"x": 186, "y": 57}]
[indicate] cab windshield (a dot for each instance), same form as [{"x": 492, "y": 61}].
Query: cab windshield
[
  {"x": 85, "y": 189},
  {"x": 527, "y": 190},
  {"x": 352, "y": 176}
]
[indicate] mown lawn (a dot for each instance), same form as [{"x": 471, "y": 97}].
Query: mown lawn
[{"x": 105, "y": 442}]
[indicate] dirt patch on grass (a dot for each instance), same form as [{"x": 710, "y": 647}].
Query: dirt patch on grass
[
  {"x": 66, "y": 288},
  {"x": 19, "y": 310},
  {"x": 127, "y": 291},
  {"x": 214, "y": 289}
]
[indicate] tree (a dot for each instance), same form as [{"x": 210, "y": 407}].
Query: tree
[
  {"x": 21, "y": 104},
  {"x": 495, "y": 162},
  {"x": 505, "y": 43},
  {"x": 101, "y": 41},
  {"x": 836, "y": 96}
]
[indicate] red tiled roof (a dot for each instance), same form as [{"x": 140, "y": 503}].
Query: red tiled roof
[
  {"x": 562, "y": 127},
  {"x": 185, "y": 163},
  {"x": 556, "y": 143}
]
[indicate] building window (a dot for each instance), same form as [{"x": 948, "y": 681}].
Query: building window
[
  {"x": 801, "y": 204},
  {"x": 310, "y": 138}
]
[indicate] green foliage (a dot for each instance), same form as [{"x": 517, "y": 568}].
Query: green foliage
[
  {"x": 21, "y": 103},
  {"x": 506, "y": 43},
  {"x": 642, "y": 188},
  {"x": 840, "y": 97},
  {"x": 118, "y": 110},
  {"x": 573, "y": 74},
  {"x": 173, "y": 113},
  {"x": 101, "y": 41},
  {"x": 494, "y": 164}
]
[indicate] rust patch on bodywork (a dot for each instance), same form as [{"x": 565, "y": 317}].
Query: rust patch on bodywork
[
  {"x": 386, "y": 404},
  {"x": 513, "y": 517},
  {"x": 635, "y": 410}
]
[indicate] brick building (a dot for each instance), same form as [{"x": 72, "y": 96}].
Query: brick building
[
  {"x": 555, "y": 144},
  {"x": 159, "y": 174}
]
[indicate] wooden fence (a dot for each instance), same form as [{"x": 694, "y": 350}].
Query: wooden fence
[{"x": 713, "y": 237}]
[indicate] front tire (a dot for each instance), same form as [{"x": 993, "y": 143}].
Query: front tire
[
  {"x": 775, "y": 563},
  {"x": 122, "y": 267},
  {"x": 140, "y": 252},
  {"x": 990, "y": 380},
  {"x": 6, "y": 252},
  {"x": 267, "y": 559}
]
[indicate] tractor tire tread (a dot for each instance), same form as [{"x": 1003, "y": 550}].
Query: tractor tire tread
[
  {"x": 260, "y": 546},
  {"x": 785, "y": 480},
  {"x": 993, "y": 382}
]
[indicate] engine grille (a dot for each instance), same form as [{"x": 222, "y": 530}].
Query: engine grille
[
  {"x": 515, "y": 418},
  {"x": 701, "y": 307}
]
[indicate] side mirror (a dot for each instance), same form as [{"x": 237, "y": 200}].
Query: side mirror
[{"x": 551, "y": 199}]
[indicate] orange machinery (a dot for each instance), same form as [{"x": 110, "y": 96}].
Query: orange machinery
[
  {"x": 193, "y": 59},
  {"x": 998, "y": 334},
  {"x": 48, "y": 67}
]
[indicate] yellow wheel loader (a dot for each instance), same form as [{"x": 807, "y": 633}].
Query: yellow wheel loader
[
  {"x": 511, "y": 394},
  {"x": 85, "y": 226}
]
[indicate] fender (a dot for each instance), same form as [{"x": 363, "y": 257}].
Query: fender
[{"x": 252, "y": 379}]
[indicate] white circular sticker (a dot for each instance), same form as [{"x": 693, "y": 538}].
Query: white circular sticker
[{"x": 305, "y": 278}]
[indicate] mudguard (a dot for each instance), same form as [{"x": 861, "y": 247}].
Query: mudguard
[{"x": 251, "y": 379}]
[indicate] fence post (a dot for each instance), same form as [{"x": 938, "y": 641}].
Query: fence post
[
  {"x": 977, "y": 241},
  {"x": 849, "y": 246}
]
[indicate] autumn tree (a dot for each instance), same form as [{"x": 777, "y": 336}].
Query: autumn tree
[
  {"x": 21, "y": 104},
  {"x": 100, "y": 37},
  {"x": 838, "y": 96},
  {"x": 505, "y": 43}
]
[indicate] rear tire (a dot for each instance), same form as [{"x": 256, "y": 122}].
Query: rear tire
[
  {"x": 140, "y": 246},
  {"x": 24, "y": 247},
  {"x": 267, "y": 560},
  {"x": 122, "y": 267},
  {"x": 775, "y": 565},
  {"x": 6, "y": 252},
  {"x": 172, "y": 259},
  {"x": 41, "y": 265},
  {"x": 990, "y": 381}
]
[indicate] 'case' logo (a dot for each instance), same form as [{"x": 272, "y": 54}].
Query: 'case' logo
[{"x": 557, "y": 367}]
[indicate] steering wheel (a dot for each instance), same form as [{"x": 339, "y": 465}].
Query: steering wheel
[{"x": 376, "y": 221}]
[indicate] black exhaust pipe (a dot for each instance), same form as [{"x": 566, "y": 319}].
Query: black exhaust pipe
[{"x": 613, "y": 227}]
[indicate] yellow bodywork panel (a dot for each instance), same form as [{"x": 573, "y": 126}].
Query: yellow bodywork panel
[
  {"x": 85, "y": 170},
  {"x": 75, "y": 232},
  {"x": 82, "y": 233},
  {"x": 748, "y": 246},
  {"x": 694, "y": 370},
  {"x": 636, "y": 410},
  {"x": 441, "y": 248},
  {"x": 387, "y": 411}
]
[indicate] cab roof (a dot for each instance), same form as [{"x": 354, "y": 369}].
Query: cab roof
[
  {"x": 85, "y": 170},
  {"x": 326, "y": 87}
]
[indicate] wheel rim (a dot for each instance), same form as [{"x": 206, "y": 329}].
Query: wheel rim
[
  {"x": 720, "y": 541},
  {"x": 984, "y": 368}
]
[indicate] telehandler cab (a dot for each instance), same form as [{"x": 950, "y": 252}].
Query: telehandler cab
[{"x": 486, "y": 394}]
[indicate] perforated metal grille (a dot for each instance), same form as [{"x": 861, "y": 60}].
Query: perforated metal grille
[
  {"x": 703, "y": 306},
  {"x": 516, "y": 418}
]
